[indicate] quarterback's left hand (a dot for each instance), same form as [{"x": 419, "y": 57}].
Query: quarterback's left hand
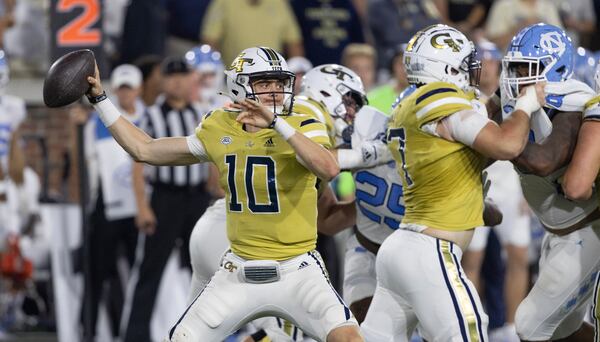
[{"x": 254, "y": 113}]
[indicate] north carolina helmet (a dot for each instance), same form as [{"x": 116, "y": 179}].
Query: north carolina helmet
[
  {"x": 254, "y": 64},
  {"x": 442, "y": 53},
  {"x": 544, "y": 50},
  {"x": 329, "y": 83}
]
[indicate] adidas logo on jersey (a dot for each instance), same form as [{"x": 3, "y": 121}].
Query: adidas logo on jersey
[
  {"x": 302, "y": 265},
  {"x": 269, "y": 143}
]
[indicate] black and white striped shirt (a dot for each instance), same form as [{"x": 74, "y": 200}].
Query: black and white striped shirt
[{"x": 162, "y": 121}]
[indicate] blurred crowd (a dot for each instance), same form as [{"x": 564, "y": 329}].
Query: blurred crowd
[{"x": 166, "y": 61}]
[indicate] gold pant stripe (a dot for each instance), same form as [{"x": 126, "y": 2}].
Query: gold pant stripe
[
  {"x": 467, "y": 307},
  {"x": 596, "y": 309}
]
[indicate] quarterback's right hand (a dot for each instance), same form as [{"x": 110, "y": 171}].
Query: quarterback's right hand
[
  {"x": 145, "y": 220},
  {"x": 95, "y": 84}
]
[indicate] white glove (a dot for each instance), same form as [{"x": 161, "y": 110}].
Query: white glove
[
  {"x": 368, "y": 154},
  {"x": 375, "y": 152},
  {"x": 528, "y": 101}
]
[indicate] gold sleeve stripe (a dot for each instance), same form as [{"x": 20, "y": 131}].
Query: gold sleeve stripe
[
  {"x": 592, "y": 101},
  {"x": 314, "y": 109},
  {"x": 441, "y": 102},
  {"x": 316, "y": 133}
]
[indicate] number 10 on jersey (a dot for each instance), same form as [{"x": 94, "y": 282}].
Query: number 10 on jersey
[{"x": 271, "y": 182}]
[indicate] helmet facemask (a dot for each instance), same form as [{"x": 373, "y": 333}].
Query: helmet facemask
[
  {"x": 519, "y": 72},
  {"x": 281, "y": 106},
  {"x": 472, "y": 66},
  {"x": 352, "y": 102}
]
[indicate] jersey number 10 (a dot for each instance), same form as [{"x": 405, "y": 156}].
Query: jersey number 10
[{"x": 271, "y": 182}]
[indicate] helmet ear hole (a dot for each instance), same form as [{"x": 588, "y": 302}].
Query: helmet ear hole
[{"x": 325, "y": 94}]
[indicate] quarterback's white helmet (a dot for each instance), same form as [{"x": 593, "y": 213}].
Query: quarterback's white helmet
[
  {"x": 441, "y": 53},
  {"x": 254, "y": 64},
  {"x": 329, "y": 83}
]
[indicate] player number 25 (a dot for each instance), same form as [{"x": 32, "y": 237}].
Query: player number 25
[
  {"x": 271, "y": 181},
  {"x": 383, "y": 191}
]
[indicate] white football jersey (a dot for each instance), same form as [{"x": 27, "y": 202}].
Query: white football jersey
[
  {"x": 550, "y": 206},
  {"x": 543, "y": 194},
  {"x": 379, "y": 203}
]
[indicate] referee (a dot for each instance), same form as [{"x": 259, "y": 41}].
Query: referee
[{"x": 178, "y": 199}]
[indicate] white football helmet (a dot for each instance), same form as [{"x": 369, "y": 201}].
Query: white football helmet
[
  {"x": 329, "y": 83},
  {"x": 336, "y": 87},
  {"x": 442, "y": 53},
  {"x": 259, "y": 63}
]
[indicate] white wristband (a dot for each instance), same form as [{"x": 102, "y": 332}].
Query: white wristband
[
  {"x": 284, "y": 128},
  {"x": 107, "y": 112},
  {"x": 528, "y": 102}
]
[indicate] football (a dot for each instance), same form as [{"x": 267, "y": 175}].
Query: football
[{"x": 66, "y": 81}]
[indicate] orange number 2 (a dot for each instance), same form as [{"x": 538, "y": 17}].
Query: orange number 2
[{"x": 78, "y": 31}]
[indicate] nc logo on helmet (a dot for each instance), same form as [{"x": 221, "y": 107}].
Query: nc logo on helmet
[
  {"x": 238, "y": 63},
  {"x": 443, "y": 40},
  {"x": 552, "y": 42}
]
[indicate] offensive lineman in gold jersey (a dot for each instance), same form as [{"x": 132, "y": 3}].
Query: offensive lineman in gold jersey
[
  {"x": 440, "y": 137},
  {"x": 269, "y": 160}
]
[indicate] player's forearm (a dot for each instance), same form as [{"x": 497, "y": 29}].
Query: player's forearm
[
  {"x": 515, "y": 133},
  {"x": 142, "y": 147},
  {"x": 315, "y": 157},
  {"x": 341, "y": 216},
  {"x": 583, "y": 169},
  {"x": 504, "y": 142},
  {"x": 556, "y": 150}
]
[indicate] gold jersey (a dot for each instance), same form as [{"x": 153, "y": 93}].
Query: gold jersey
[
  {"x": 308, "y": 106},
  {"x": 441, "y": 179},
  {"x": 271, "y": 198}
]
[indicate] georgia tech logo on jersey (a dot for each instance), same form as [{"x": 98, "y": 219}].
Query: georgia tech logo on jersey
[
  {"x": 226, "y": 140},
  {"x": 444, "y": 40},
  {"x": 238, "y": 63},
  {"x": 230, "y": 266},
  {"x": 339, "y": 74},
  {"x": 552, "y": 42}
]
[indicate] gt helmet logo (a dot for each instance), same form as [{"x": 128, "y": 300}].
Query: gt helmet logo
[
  {"x": 338, "y": 72},
  {"x": 238, "y": 63},
  {"x": 447, "y": 42}
]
